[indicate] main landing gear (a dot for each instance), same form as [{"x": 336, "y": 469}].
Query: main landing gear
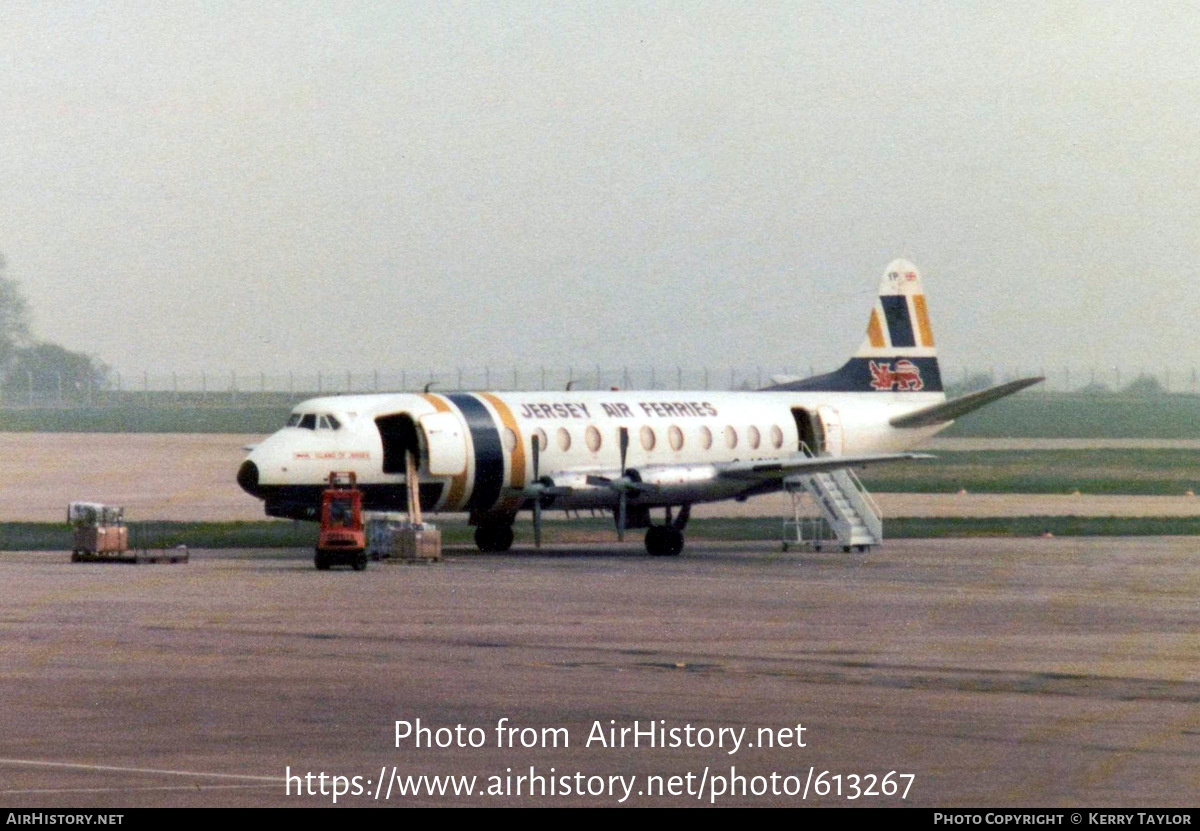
[
  {"x": 494, "y": 538},
  {"x": 663, "y": 541},
  {"x": 666, "y": 540}
]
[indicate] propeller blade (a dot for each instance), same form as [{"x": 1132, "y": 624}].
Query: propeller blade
[
  {"x": 621, "y": 518},
  {"x": 623, "y": 441},
  {"x": 537, "y": 500}
]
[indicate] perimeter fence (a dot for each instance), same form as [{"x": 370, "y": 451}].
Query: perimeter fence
[{"x": 235, "y": 388}]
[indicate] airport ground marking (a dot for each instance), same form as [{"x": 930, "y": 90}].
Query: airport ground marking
[
  {"x": 148, "y": 788},
  {"x": 155, "y": 771}
]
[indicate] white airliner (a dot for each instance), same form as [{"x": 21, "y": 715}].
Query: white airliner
[{"x": 493, "y": 454}]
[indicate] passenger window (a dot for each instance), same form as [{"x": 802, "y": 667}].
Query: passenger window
[
  {"x": 754, "y": 437},
  {"x": 730, "y": 438},
  {"x": 510, "y": 440},
  {"x": 776, "y": 436},
  {"x": 593, "y": 439},
  {"x": 706, "y": 438},
  {"x": 648, "y": 438},
  {"x": 676, "y": 437},
  {"x": 564, "y": 439},
  {"x": 542, "y": 440}
]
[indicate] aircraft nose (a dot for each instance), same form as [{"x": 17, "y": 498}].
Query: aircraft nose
[{"x": 247, "y": 477}]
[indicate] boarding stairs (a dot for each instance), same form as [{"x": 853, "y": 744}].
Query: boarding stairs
[{"x": 847, "y": 514}]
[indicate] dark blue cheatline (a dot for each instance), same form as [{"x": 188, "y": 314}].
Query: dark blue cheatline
[{"x": 489, "y": 451}]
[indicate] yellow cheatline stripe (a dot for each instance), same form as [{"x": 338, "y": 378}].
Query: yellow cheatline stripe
[
  {"x": 437, "y": 402},
  {"x": 875, "y": 331},
  {"x": 453, "y": 500},
  {"x": 923, "y": 319},
  {"x": 516, "y": 477}
]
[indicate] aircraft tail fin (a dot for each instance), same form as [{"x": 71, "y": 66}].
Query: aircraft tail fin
[{"x": 898, "y": 353}]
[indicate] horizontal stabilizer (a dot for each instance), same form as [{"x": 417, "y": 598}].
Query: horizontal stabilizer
[
  {"x": 950, "y": 410},
  {"x": 767, "y": 470}
]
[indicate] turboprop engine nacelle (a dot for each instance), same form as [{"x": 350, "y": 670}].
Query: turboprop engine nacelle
[
  {"x": 677, "y": 484},
  {"x": 577, "y": 492},
  {"x": 657, "y": 485}
]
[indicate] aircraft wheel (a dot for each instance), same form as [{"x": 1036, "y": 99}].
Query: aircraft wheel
[
  {"x": 654, "y": 541},
  {"x": 498, "y": 538},
  {"x": 672, "y": 542},
  {"x": 504, "y": 537},
  {"x": 663, "y": 541}
]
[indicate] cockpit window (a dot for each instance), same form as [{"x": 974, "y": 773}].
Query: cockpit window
[{"x": 313, "y": 421}]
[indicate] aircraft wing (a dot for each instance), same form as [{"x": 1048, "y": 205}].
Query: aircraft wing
[
  {"x": 950, "y": 410},
  {"x": 762, "y": 471}
]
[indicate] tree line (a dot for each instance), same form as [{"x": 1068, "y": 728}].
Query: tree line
[{"x": 30, "y": 365}]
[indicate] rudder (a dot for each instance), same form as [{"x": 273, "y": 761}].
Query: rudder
[
  {"x": 898, "y": 352},
  {"x": 899, "y": 322}
]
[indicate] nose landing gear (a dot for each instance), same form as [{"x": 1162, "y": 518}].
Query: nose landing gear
[{"x": 494, "y": 538}]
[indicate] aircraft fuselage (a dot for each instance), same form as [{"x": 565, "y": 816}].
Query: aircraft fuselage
[{"x": 474, "y": 450}]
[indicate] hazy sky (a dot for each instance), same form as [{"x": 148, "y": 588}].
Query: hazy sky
[{"x": 267, "y": 186}]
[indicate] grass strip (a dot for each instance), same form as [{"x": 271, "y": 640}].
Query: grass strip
[
  {"x": 1148, "y": 471},
  {"x": 37, "y": 536}
]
